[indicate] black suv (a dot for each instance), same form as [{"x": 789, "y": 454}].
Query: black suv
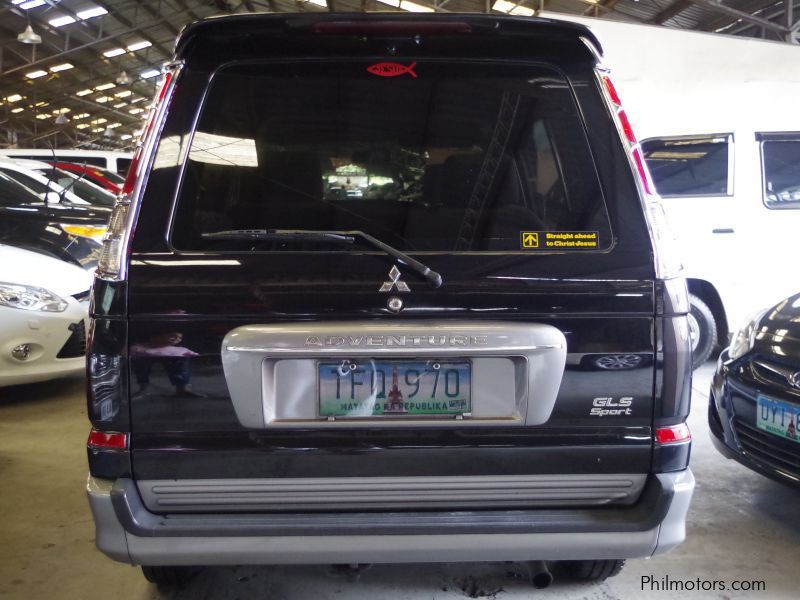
[{"x": 344, "y": 303}]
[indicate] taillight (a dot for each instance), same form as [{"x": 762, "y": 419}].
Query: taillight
[
  {"x": 668, "y": 263},
  {"x": 673, "y": 434},
  {"x": 626, "y": 132},
  {"x": 106, "y": 440},
  {"x": 110, "y": 263}
]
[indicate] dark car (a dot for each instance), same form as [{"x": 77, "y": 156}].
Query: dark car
[
  {"x": 284, "y": 375},
  {"x": 754, "y": 404},
  {"x": 70, "y": 232}
]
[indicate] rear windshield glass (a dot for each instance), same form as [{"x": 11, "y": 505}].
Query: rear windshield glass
[
  {"x": 689, "y": 166},
  {"x": 438, "y": 157}
]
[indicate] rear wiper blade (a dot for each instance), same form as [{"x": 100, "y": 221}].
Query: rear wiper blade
[
  {"x": 311, "y": 235},
  {"x": 280, "y": 234}
]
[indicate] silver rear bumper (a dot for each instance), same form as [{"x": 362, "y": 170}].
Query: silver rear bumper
[{"x": 128, "y": 532}]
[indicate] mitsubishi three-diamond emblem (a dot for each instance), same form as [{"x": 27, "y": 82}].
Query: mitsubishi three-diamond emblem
[{"x": 394, "y": 276}]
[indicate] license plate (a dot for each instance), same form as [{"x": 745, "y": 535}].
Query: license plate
[
  {"x": 778, "y": 418},
  {"x": 389, "y": 388}
]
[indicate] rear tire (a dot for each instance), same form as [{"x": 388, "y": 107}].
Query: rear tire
[
  {"x": 168, "y": 576},
  {"x": 593, "y": 570},
  {"x": 703, "y": 330}
]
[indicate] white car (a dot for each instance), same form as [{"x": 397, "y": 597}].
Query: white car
[
  {"x": 26, "y": 173},
  {"x": 43, "y": 313}
]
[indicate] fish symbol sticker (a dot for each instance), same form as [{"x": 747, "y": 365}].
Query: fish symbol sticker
[{"x": 391, "y": 69}]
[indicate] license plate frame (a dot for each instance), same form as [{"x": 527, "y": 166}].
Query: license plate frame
[
  {"x": 380, "y": 402},
  {"x": 770, "y": 410}
]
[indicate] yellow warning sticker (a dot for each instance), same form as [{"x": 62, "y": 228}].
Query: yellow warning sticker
[
  {"x": 559, "y": 240},
  {"x": 530, "y": 239}
]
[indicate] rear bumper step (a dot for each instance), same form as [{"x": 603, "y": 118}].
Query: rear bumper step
[
  {"x": 384, "y": 493},
  {"x": 127, "y": 531}
]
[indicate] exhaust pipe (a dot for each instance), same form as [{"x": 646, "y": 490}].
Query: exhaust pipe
[{"x": 539, "y": 574}]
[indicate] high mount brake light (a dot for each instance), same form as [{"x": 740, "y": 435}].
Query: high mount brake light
[
  {"x": 390, "y": 28},
  {"x": 674, "y": 434}
]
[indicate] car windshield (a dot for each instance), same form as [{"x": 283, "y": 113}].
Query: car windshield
[
  {"x": 13, "y": 193},
  {"x": 439, "y": 157},
  {"x": 80, "y": 187}
]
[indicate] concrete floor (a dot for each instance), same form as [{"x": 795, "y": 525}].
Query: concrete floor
[{"x": 741, "y": 527}]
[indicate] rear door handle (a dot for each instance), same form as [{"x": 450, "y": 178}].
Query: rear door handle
[{"x": 723, "y": 230}]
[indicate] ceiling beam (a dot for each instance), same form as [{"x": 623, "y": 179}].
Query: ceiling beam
[{"x": 717, "y": 6}]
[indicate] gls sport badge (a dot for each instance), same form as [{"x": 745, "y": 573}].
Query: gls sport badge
[{"x": 608, "y": 407}]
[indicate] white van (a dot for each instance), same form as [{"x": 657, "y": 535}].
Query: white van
[
  {"x": 720, "y": 130},
  {"x": 117, "y": 162}
]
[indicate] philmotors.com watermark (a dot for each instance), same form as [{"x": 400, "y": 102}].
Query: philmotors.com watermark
[{"x": 651, "y": 583}]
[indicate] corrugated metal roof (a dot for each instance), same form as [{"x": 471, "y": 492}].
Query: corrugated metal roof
[{"x": 89, "y": 43}]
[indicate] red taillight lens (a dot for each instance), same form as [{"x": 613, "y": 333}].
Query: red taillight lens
[
  {"x": 626, "y": 126},
  {"x": 673, "y": 434},
  {"x": 102, "y": 440},
  {"x": 130, "y": 178},
  {"x": 390, "y": 28},
  {"x": 644, "y": 174},
  {"x": 612, "y": 91}
]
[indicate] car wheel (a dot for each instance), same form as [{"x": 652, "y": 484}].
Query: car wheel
[
  {"x": 593, "y": 570},
  {"x": 702, "y": 330},
  {"x": 617, "y": 362},
  {"x": 168, "y": 576}
]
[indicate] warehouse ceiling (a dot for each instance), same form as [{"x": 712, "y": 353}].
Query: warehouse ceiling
[{"x": 89, "y": 81}]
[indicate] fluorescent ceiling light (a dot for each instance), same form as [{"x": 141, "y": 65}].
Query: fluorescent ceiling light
[
  {"x": 127, "y": 136},
  {"x": 81, "y": 116},
  {"x": 113, "y": 125},
  {"x": 29, "y": 4},
  {"x": 123, "y": 94},
  {"x": 120, "y": 105},
  {"x": 84, "y": 92},
  {"x": 14, "y": 98},
  {"x": 60, "y": 21},
  {"x": 136, "y": 111},
  {"x": 35, "y": 74},
  {"x": 105, "y": 86},
  {"x": 92, "y": 12},
  {"x": 114, "y": 52},
  {"x": 103, "y": 99},
  {"x": 139, "y": 46},
  {"x": 42, "y": 116},
  {"x": 61, "y": 67},
  {"x": 512, "y": 8},
  {"x": 395, "y": 3},
  {"x": 98, "y": 121},
  {"x": 62, "y": 110},
  {"x": 17, "y": 110},
  {"x": 82, "y": 125},
  {"x": 319, "y": 3},
  {"x": 414, "y": 7},
  {"x": 150, "y": 73},
  {"x": 98, "y": 130},
  {"x": 42, "y": 103},
  {"x": 137, "y": 99}
]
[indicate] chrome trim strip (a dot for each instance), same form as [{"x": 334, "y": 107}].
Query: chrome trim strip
[
  {"x": 465, "y": 350},
  {"x": 271, "y": 369}
]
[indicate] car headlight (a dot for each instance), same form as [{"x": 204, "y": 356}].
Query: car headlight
[
  {"x": 744, "y": 339},
  {"x": 28, "y": 297}
]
